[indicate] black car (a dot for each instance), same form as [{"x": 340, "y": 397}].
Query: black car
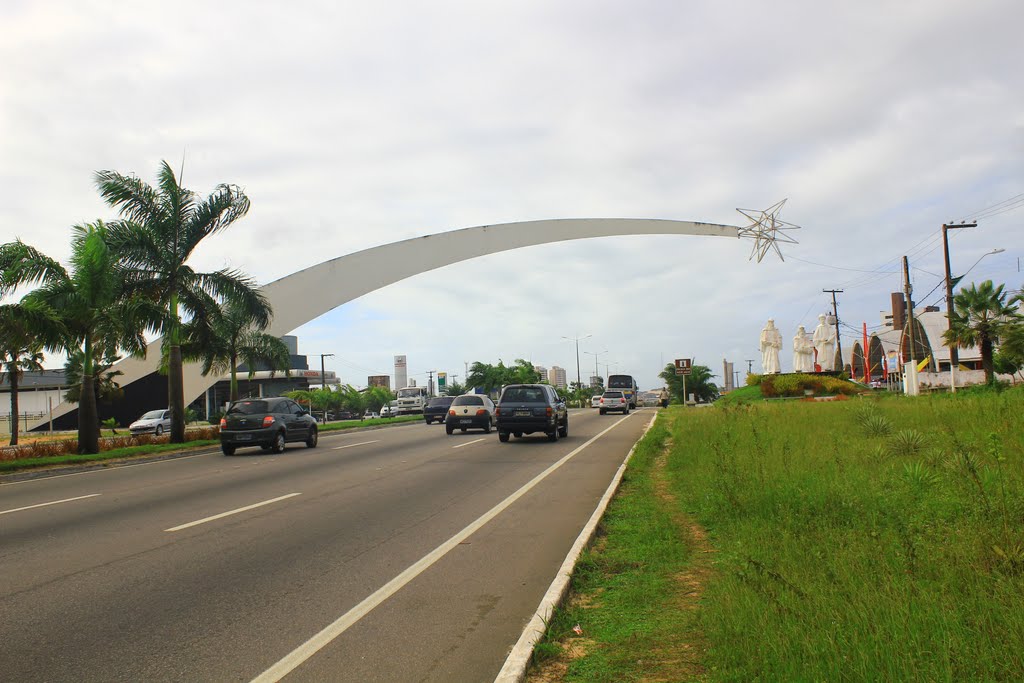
[
  {"x": 528, "y": 408},
  {"x": 437, "y": 408},
  {"x": 266, "y": 422},
  {"x": 470, "y": 411}
]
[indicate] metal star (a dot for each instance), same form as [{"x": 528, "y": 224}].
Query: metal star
[{"x": 767, "y": 230}]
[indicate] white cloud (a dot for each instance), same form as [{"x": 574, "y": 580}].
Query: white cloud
[{"x": 352, "y": 125}]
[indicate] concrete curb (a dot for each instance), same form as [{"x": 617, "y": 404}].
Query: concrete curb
[{"x": 514, "y": 669}]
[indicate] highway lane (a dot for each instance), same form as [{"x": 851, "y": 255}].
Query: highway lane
[{"x": 116, "y": 586}]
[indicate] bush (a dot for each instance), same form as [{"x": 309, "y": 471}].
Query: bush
[
  {"x": 775, "y": 386},
  {"x": 215, "y": 417}
]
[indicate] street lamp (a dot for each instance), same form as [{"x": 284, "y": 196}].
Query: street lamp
[
  {"x": 323, "y": 379},
  {"x": 577, "y": 340},
  {"x": 595, "y": 354}
]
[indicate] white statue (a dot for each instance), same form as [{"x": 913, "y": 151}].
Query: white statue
[
  {"x": 803, "y": 351},
  {"x": 771, "y": 344},
  {"x": 825, "y": 343}
]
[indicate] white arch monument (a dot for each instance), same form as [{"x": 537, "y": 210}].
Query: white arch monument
[{"x": 301, "y": 297}]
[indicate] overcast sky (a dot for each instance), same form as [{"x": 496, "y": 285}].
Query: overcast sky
[{"x": 352, "y": 125}]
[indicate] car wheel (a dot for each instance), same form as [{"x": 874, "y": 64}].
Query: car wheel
[
  {"x": 159, "y": 430},
  {"x": 553, "y": 434},
  {"x": 277, "y": 446},
  {"x": 563, "y": 431},
  {"x": 503, "y": 436},
  {"x": 518, "y": 435},
  {"x": 428, "y": 420},
  {"x": 463, "y": 429},
  {"x": 602, "y": 411},
  {"x": 487, "y": 427},
  {"x": 626, "y": 411},
  {"x": 448, "y": 429},
  {"x": 228, "y": 450},
  {"x": 313, "y": 438}
]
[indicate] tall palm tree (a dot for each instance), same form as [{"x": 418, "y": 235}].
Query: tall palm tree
[
  {"x": 25, "y": 330},
  {"x": 95, "y": 302},
  {"x": 231, "y": 334},
  {"x": 158, "y": 232},
  {"x": 980, "y": 312},
  {"x": 104, "y": 376}
]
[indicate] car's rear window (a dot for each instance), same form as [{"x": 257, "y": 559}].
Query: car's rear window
[
  {"x": 442, "y": 401},
  {"x": 468, "y": 401},
  {"x": 249, "y": 407},
  {"x": 613, "y": 394},
  {"x": 524, "y": 394}
]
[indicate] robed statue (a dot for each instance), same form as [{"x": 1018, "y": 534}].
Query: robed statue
[
  {"x": 825, "y": 343},
  {"x": 803, "y": 351},
  {"x": 771, "y": 344}
]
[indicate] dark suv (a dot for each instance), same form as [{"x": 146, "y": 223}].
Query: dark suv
[
  {"x": 267, "y": 423},
  {"x": 437, "y": 408},
  {"x": 528, "y": 408}
]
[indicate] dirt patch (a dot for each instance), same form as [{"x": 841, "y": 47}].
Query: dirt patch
[{"x": 677, "y": 658}]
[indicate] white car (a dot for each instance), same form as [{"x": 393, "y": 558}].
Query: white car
[
  {"x": 595, "y": 401},
  {"x": 154, "y": 422},
  {"x": 614, "y": 400},
  {"x": 389, "y": 410}
]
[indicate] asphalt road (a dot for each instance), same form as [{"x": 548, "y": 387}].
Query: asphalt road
[{"x": 416, "y": 556}]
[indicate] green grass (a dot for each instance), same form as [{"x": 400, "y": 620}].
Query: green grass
[
  {"x": 861, "y": 540},
  {"x": 741, "y": 395},
  {"x": 127, "y": 452}
]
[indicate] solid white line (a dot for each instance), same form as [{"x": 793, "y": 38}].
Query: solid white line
[
  {"x": 230, "y": 512},
  {"x": 514, "y": 668},
  {"x": 361, "y": 443},
  {"x": 52, "y": 502},
  {"x": 303, "y": 652},
  {"x": 468, "y": 443}
]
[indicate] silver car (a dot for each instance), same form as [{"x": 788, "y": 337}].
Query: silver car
[{"x": 154, "y": 422}]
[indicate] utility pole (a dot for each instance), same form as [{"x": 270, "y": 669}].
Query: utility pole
[
  {"x": 910, "y": 372},
  {"x": 430, "y": 383},
  {"x": 750, "y": 367},
  {"x": 835, "y": 314},
  {"x": 323, "y": 380},
  {"x": 954, "y": 352}
]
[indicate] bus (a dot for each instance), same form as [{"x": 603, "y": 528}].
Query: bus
[
  {"x": 627, "y": 385},
  {"x": 411, "y": 400}
]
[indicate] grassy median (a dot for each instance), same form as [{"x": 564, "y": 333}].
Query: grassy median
[
  {"x": 857, "y": 540},
  {"x": 36, "y": 454}
]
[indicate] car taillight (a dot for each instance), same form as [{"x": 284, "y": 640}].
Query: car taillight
[
  {"x": 268, "y": 420},
  {"x": 548, "y": 410},
  {"x": 481, "y": 411},
  {"x": 223, "y": 422},
  {"x": 451, "y": 412},
  {"x": 497, "y": 411},
  {"x": 602, "y": 399}
]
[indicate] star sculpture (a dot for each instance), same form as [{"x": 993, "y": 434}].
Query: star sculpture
[{"x": 767, "y": 230}]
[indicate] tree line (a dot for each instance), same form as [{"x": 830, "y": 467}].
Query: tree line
[{"x": 125, "y": 279}]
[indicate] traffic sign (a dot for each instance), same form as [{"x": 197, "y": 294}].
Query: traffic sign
[{"x": 683, "y": 366}]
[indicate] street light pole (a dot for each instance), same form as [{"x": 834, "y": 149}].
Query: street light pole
[
  {"x": 597, "y": 372},
  {"x": 579, "y": 382},
  {"x": 323, "y": 379},
  {"x": 954, "y": 352}
]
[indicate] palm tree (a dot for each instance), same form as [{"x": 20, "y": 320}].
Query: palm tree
[
  {"x": 25, "y": 329},
  {"x": 698, "y": 382},
  {"x": 95, "y": 302},
  {"x": 159, "y": 230},
  {"x": 980, "y": 313},
  {"x": 104, "y": 377},
  {"x": 232, "y": 335}
]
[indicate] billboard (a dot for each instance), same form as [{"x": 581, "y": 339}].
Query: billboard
[{"x": 379, "y": 381}]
